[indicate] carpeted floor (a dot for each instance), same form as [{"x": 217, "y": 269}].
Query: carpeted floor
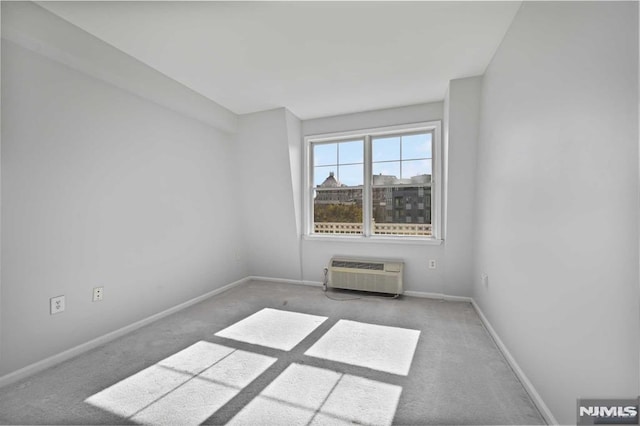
[{"x": 305, "y": 359}]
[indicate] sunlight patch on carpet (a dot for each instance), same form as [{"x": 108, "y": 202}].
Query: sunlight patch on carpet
[
  {"x": 185, "y": 388},
  {"x": 382, "y": 348},
  {"x": 273, "y": 328},
  {"x": 304, "y": 395},
  {"x": 132, "y": 394},
  {"x": 359, "y": 400},
  {"x": 196, "y": 358}
]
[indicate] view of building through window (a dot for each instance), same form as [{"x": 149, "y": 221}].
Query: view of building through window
[{"x": 400, "y": 185}]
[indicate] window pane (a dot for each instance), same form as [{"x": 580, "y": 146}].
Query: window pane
[
  {"x": 414, "y": 168},
  {"x": 402, "y": 211},
  {"x": 325, "y": 154},
  {"x": 351, "y": 175},
  {"x": 386, "y": 149},
  {"x": 416, "y": 146},
  {"x": 351, "y": 152},
  {"x": 325, "y": 175},
  {"x": 386, "y": 173},
  {"x": 338, "y": 211}
]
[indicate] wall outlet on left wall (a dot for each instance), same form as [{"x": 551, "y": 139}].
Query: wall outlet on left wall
[
  {"x": 98, "y": 294},
  {"x": 57, "y": 304}
]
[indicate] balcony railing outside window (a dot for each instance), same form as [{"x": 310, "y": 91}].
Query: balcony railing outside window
[{"x": 342, "y": 228}]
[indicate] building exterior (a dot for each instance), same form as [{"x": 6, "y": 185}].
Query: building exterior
[
  {"x": 333, "y": 192},
  {"x": 402, "y": 200},
  {"x": 394, "y": 200}
]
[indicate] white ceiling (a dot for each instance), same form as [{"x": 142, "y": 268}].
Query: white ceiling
[{"x": 314, "y": 58}]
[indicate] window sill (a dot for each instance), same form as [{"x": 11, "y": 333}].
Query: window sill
[{"x": 374, "y": 240}]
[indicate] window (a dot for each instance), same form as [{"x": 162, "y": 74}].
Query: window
[{"x": 380, "y": 182}]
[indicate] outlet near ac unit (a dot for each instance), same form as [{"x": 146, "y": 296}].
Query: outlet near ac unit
[
  {"x": 432, "y": 264},
  {"x": 484, "y": 278}
]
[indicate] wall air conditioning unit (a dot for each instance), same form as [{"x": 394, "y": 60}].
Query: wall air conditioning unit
[{"x": 380, "y": 276}]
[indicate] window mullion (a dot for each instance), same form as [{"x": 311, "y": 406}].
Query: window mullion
[
  {"x": 367, "y": 214},
  {"x": 436, "y": 176},
  {"x": 401, "y": 158},
  {"x": 309, "y": 176}
]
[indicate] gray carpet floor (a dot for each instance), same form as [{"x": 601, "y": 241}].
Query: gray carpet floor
[{"x": 458, "y": 375}]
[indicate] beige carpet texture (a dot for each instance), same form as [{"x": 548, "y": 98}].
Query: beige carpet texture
[{"x": 267, "y": 353}]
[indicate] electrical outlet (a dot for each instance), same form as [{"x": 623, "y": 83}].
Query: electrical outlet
[
  {"x": 98, "y": 293},
  {"x": 57, "y": 304},
  {"x": 485, "y": 280},
  {"x": 432, "y": 264}
]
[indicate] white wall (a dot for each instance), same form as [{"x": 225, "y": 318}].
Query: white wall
[
  {"x": 451, "y": 277},
  {"x": 557, "y": 199},
  {"x": 103, "y": 188},
  {"x": 371, "y": 119},
  {"x": 30, "y": 25},
  {"x": 266, "y": 168},
  {"x": 462, "y": 120},
  {"x": 0, "y": 193},
  {"x": 294, "y": 136}
]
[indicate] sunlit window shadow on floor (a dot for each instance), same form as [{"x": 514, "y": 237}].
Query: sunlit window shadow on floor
[
  {"x": 185, "y": 388},
  {"x": 382, "y": 348},
  {"x": 190, "y": 386},
  {"x": 305, "y": 395},
  {"x": 273, "y": 328}
]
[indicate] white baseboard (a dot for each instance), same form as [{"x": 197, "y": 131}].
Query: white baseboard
[
  {"x": 438, "y": 296},
  {"x": 84, "y": 347},
  {"x": 285, "y": 281},
  {"x": 422, "y": 294},
  {"x": 526, "y": 383}
]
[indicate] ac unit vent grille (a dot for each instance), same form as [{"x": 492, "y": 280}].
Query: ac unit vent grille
[
  {"x": 358, "y": 265},
  {"x": 377, "y": 275}
]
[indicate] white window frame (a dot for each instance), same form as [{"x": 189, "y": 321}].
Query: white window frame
[{"x": 367, "y": 135}]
